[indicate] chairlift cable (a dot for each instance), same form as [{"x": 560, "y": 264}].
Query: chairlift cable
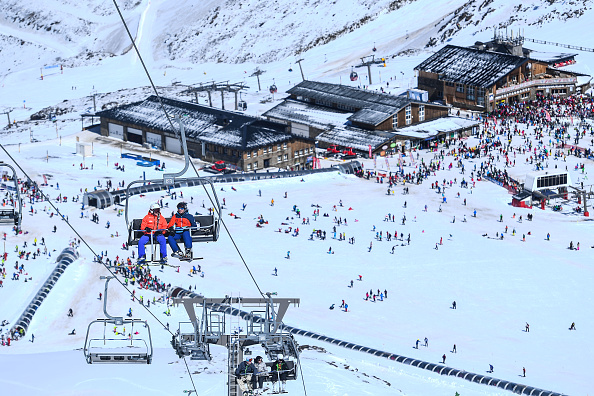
[
  {"x": 145, "y": 69},
  {"x": 195, "y": 170},
  {"x": 92, "y": 251},
  {"x": 175, "y": 130}
]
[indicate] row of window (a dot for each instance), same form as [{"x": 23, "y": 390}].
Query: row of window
[
  {"x": 279, "y": 159},
  {"x": 408, "y": 116}
]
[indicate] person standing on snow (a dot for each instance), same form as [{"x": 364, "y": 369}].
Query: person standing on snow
[
  {"x": 179, "y": 228},
  {"x": 153, "y": 221}
]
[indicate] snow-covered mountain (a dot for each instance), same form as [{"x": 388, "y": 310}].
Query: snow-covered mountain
[{"x": 236, "y": 31}]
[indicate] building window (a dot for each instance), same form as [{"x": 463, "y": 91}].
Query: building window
[
  {"x": 470, "y": 93},
  {"x": 248, "y": 155},
  {"x": 296, "y": 153},
  {"x": 480, "y": 96},
  {"x": 449, "y": 84},
  {"x": 460, "y": 88},
  {"x": 249, "y": 166},
  {"x": 255, "y": 165},
  {"x": 395, "y": 121},
  {"x": 255, "y": 153},
  {"x": 286, "y": 157},
  {"x": 421, "y": 112},
  {"x": 270, "y": 149},
  {"x": 408, "y": 115},
  {"x": 285, "y": 145},
  {"x": 279, "y": 158}
]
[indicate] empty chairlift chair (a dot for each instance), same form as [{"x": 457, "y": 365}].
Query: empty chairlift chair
[{"x": 12, "y": 215}]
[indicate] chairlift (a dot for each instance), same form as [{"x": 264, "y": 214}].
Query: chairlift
[
  {"x": 290, "y": 69},
  {"x": 374, "y": 49},
  {"x": 118, "y": 350},
  {"x": 12, "y": 216},
  {"x": 242, "y": 105},
  {"x": 208, "y": 226}
]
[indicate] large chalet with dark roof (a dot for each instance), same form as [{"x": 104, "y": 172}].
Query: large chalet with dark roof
[
  {"x": 212, "y": 134},
  {"x": 478, "y": 79},
  {"x": 361, "y": 119}
]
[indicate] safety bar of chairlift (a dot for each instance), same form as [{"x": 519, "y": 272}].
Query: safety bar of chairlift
[
  {"x": 86, "y": 348},
  {"x": 202, "y": 180},
  {"x": 171, "y": 177}
]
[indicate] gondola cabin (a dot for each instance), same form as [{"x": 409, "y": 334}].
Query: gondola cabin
[
  {"x": 354, "y": 76},
  {"x": 242, "y": 105},
  {"x": 273, "y": 88}
]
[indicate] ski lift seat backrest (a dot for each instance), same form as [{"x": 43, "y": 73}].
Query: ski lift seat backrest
[
  {"x": 208, "y": 231},
  {"x": 7, "y": 216},
  {"x": 291, "y": 373}
]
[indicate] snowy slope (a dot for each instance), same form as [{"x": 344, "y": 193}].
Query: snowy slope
[{"x": 499, "y": 285}]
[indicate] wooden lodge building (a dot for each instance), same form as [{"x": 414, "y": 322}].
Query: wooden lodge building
[
  {"x": 478, "y": 78},
  {"x": 364, "y": 120},
  {"x": 212, "y": 134}
]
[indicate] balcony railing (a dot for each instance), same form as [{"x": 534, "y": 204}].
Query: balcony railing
[{"x": 531, "y": 83}]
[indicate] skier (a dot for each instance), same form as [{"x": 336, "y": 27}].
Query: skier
[
  {"x": 261, "y": 370},
  {"x": 490, "y": 368},
  {"x": 527, "y": 328},
  {"x": 426, "y": 342},
  {"x": 572, "y": 327},
  {"x": 443, "y": 358},
  {"x": 275, "y": 272},
  {"x": 417, "y": 344},
  {"x": 246, "y": 374},
  {"x": 279, "y": 374},
  {"x": 179, "y": 228},
  {"x": 454, "y": 305},
  {"x": 153, "y": 221},
  {"x": 70, "y": 313}
]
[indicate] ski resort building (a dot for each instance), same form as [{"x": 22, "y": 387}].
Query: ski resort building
[
  {"x": 212, "y": 134},
  {"x": 363, "y": 120},
  {"x": 478, "y": 78}
]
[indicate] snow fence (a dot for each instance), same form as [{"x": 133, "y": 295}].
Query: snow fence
[
  {"x": 65, "y": 258},
  {"x": 442, "y": 369}
]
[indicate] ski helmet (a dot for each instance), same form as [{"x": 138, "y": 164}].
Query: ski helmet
[
  {"x": 182, "y": 205},
  {"x": 280, "y": 356},
  {"x": 155, "y": 207}
]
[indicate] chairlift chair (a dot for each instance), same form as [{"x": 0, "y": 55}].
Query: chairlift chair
[
  {"x": 114, "y": 350},
  {"x": 208, "y": 230},
  {"x": 273, "y": 88},
  {"x": 12, "y": 216}
]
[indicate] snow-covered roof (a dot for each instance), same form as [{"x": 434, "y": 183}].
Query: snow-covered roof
[
  {"x": 369, "y": 107},
  {"x": 430, "y": 129},
  {"x": 206, "y": 124},
  {"x": 551, "y": 57},
  {"x": 358, "y": 139},
  {"x": 470, "y": 66},
  {"x": 309, "y": 114}
]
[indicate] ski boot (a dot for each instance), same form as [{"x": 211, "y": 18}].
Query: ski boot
[
  {"x": 188, "y": 255},
  {"x": 177, "y": 254}
]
